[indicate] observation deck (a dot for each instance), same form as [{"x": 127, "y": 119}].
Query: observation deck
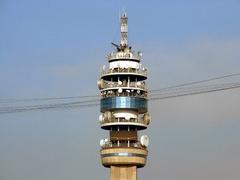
[
  {"x": 134, "y": 73},
  {"x": 108, "y": 85},
  {"x": 124, "y": 92},
  {"x": 135, "y": 156},
  {"x": 140, "y": 123},
  {"x": 130, "y": 55}
]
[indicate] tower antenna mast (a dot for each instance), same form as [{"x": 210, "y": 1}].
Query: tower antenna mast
[{"x": 124, "y": 30}]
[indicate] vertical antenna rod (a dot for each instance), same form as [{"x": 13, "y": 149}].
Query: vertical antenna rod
[{"x": 124, "y": 30}]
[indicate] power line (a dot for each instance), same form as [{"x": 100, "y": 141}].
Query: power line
[
  {"x": 194, "y": 88},
  {"x": 15, "y": 100},
  {"x": 94, "y": 102},
  {"x": 9, "y": 100},
  {"x": 45, "y": 106},
  {"x": 195, "y": 92},
  {"x": 197, "y": 82}
]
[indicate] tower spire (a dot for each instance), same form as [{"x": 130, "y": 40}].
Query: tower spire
[{"x": 124, "y": 30}]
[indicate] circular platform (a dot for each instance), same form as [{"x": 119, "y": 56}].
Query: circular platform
[
  {"x": 124, "y": 156},
  {"x": 108, "y": 126},
  {"x": 132, "y": 75}
]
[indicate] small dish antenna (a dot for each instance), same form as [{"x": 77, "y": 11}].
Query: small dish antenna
[
  {"x": 120, "y": 90},
  {"x": 102, "y": 143},
  {"x": 144, "y": 140}
]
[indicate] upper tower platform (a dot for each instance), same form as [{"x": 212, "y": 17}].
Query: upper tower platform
[
  {"x": 124, "y": 54},
  {"x": 124, "y": 51},
  {"x": 124, "y": 63}
]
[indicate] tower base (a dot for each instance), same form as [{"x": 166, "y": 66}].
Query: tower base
[{"x": 123, "y": 172}]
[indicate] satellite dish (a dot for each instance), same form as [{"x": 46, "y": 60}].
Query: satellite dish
[
  {"x": 101, "y": 118},
  {"x": 127, "y": 117},
  {"x": 119, "y": 82},
  {"x": 138, "y": 83},
  {"x": 144, "y": 140},
  {"x": 100, "y": 84},
  {"x": 102, "y": 143},
  {"x": 120, "y": 90},
  {"x": 140, "y": 53}
]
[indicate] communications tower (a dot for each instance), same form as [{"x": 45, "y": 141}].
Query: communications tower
[{"x": 124, "y": 110}]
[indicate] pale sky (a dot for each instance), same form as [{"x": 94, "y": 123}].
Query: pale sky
[{"x": 56, "y": 48}]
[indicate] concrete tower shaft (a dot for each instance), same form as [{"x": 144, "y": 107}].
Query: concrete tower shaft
[{"x": 124, "y": 110}]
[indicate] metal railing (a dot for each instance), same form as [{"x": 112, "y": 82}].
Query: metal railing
[
  {"x": 105, "y": 94},
  {"x": 131, "y": 120},
  {"x": 124, "y": 55},
  {"x": 119, "y": 144},
  {"x": 141, "y": 71},
  {"x": 140, "y": 85}
]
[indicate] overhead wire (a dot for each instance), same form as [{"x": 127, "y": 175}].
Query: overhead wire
[
  {"x": 198, "y": 82},
  {"x": 45, "y": 106},
  {"x": 95, "y": 102},
  {"x": 193, "y": 88},
  {"x": 203, "y": 91},
  {"x": 15, "y": 100}
]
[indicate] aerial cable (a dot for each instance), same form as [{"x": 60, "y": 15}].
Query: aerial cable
[
  {"x": 95, "y": 102},
  {"x": 197, "y": 82},
  {"x": 194, "y": 88},
  {"x": 9, "y": 100},
  {"x": 194, "y": 92}
]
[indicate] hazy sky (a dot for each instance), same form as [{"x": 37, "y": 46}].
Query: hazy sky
[{"x": 52, "y": 48}]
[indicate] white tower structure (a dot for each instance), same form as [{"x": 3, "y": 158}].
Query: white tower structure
[{"x": 124, "y": 110}]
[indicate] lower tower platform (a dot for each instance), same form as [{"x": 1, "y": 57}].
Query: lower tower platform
[
  {"x": 124, "y": 162},
  {"x": 124, "y": 156}
]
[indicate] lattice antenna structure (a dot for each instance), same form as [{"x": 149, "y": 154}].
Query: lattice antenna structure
[{"x": 124, "y": 30}]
